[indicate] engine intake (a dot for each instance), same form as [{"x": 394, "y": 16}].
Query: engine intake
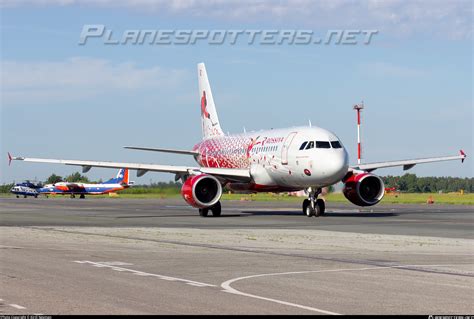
[
  {"x": 364, "y": 189},
  {"x": 201, "y": 191}
]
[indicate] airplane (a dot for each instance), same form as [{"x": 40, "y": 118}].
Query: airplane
[
  {"x": 25, "y": 189},
  {"x": 120, "y": 182},
  {"x": 276, "y": 160}
]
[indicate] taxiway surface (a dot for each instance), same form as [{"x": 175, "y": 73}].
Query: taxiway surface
[{"x": 120, "y": 256}]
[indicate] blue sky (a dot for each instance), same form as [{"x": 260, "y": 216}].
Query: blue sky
[{"x": 63, "y": 100}]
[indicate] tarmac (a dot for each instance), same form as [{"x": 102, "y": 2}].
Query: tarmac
[{"x": 131, "y": 256}]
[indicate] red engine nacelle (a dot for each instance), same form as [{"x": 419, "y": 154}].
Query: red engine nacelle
[
  {"x": 201, "y": 191},
  {"x": 363, "y": 189}
]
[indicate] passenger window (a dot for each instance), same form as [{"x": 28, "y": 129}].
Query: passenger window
[
  {"x": 336, "y": 144},
  {"x": 320, "y": 144},
  {"x": 310, "y": 145},
  {"x": 303, "y": 145}
]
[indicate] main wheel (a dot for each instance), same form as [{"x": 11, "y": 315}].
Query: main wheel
[
  {"x": 320, "y": 207},
  {"x": 216, "y": 209},
  {"x": 82, "y": 196},
  {"x": 24, "y": 196},
  {"x": 308, "y": 210},
  {"x": 203, "y": 212},
  {"x": 306, "y": 203},
  {"x": 36, "y": 196},
  {"x": 17, "y": 196}
]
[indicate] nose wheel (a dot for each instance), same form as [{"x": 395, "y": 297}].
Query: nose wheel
[{"x": 313, "y": 206}]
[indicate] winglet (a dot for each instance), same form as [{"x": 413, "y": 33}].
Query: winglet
[
  {"x": 463, "y": 155},
  {"x": 10, "y": 158}
]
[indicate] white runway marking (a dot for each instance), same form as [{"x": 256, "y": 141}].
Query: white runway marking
[
  {"x": 114, "y": 263},
  {"x": 345, "y": 211},
  {"x": 227, "y": 285},
  {"x": 17, "y": 306},
  {"x": 142, "y": 273}
]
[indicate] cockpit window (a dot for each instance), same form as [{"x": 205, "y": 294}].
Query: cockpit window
[
  {"x": 321, "y": 144},
  {"x": 336, "y": 144},
  {"x": 310, "y": 145},
  {"x": 303, "y": 145}
]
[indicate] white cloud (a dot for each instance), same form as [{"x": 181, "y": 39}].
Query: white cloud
[
  {"x": 447, "y": 18},
  {"x": 77, "y": 78}
]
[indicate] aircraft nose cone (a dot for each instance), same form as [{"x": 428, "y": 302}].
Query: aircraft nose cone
[{"x": 336, "y": 166}]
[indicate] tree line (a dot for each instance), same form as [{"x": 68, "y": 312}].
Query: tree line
[
  {"x": 73, "y": 178},
  {"x": 410, "y": 183}
]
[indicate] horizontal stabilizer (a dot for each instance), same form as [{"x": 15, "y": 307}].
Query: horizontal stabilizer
[{"x": 163, "y": 150}]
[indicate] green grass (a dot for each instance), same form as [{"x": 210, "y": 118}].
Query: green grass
[
  {"x": 402, "y": 198},
  {"x": 422, "y": 198},
  {"x": 142, "y": 196}
]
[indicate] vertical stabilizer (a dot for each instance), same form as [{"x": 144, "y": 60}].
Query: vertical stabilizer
[
  {"x": 209, "y": 119},
  {"x": 121, "y": 178},
  {"x": 125, "y": 179}
]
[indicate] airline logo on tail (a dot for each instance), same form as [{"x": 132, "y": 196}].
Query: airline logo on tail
[
  {"x": 204, "y": 111},
  {"x": 209, "y": 119},
  {"x": 121, "y": 178}
]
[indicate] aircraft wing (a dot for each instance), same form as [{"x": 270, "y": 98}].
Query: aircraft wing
[
  {"x": 407, "y": 164},
  {"x": 164, "y": 150},
  {"x": 231, "y": 174}
]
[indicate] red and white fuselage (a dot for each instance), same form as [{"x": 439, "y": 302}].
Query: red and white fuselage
[{"x": 277, "y": 159}]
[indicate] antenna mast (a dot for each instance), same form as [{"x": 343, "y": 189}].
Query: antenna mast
[{"x": 358, "y": 108}]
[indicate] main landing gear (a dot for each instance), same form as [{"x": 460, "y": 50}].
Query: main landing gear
[
  {"x": 216, "y": 210},
  {"x": 313, "y": 206},
  {"x": 80, "y": 196}
]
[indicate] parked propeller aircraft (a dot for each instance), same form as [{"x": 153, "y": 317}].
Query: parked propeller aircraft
[
  {"x": 277, "y": 160},
  {"x": 120, "y": 182}
]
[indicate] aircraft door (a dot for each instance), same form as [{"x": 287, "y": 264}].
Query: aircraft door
[{"x": 285, "y": 148}]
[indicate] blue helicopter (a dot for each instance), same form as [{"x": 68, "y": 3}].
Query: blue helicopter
[{"x": 26, "y": 189}]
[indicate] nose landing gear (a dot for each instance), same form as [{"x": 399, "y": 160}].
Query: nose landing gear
[{"x": 313, "y": 206}]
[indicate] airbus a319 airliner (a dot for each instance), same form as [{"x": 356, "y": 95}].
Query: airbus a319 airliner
[{"x": 277, "y": 160}]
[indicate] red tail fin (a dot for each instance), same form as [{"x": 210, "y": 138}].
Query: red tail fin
[
  {"x": 463, "y": 154},
  {"x": 125, "y": 176}
]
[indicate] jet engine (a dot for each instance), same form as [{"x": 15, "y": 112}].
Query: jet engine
[
  {"x": 364, "y": 189},
  {"x": 201, "y": 191}
]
